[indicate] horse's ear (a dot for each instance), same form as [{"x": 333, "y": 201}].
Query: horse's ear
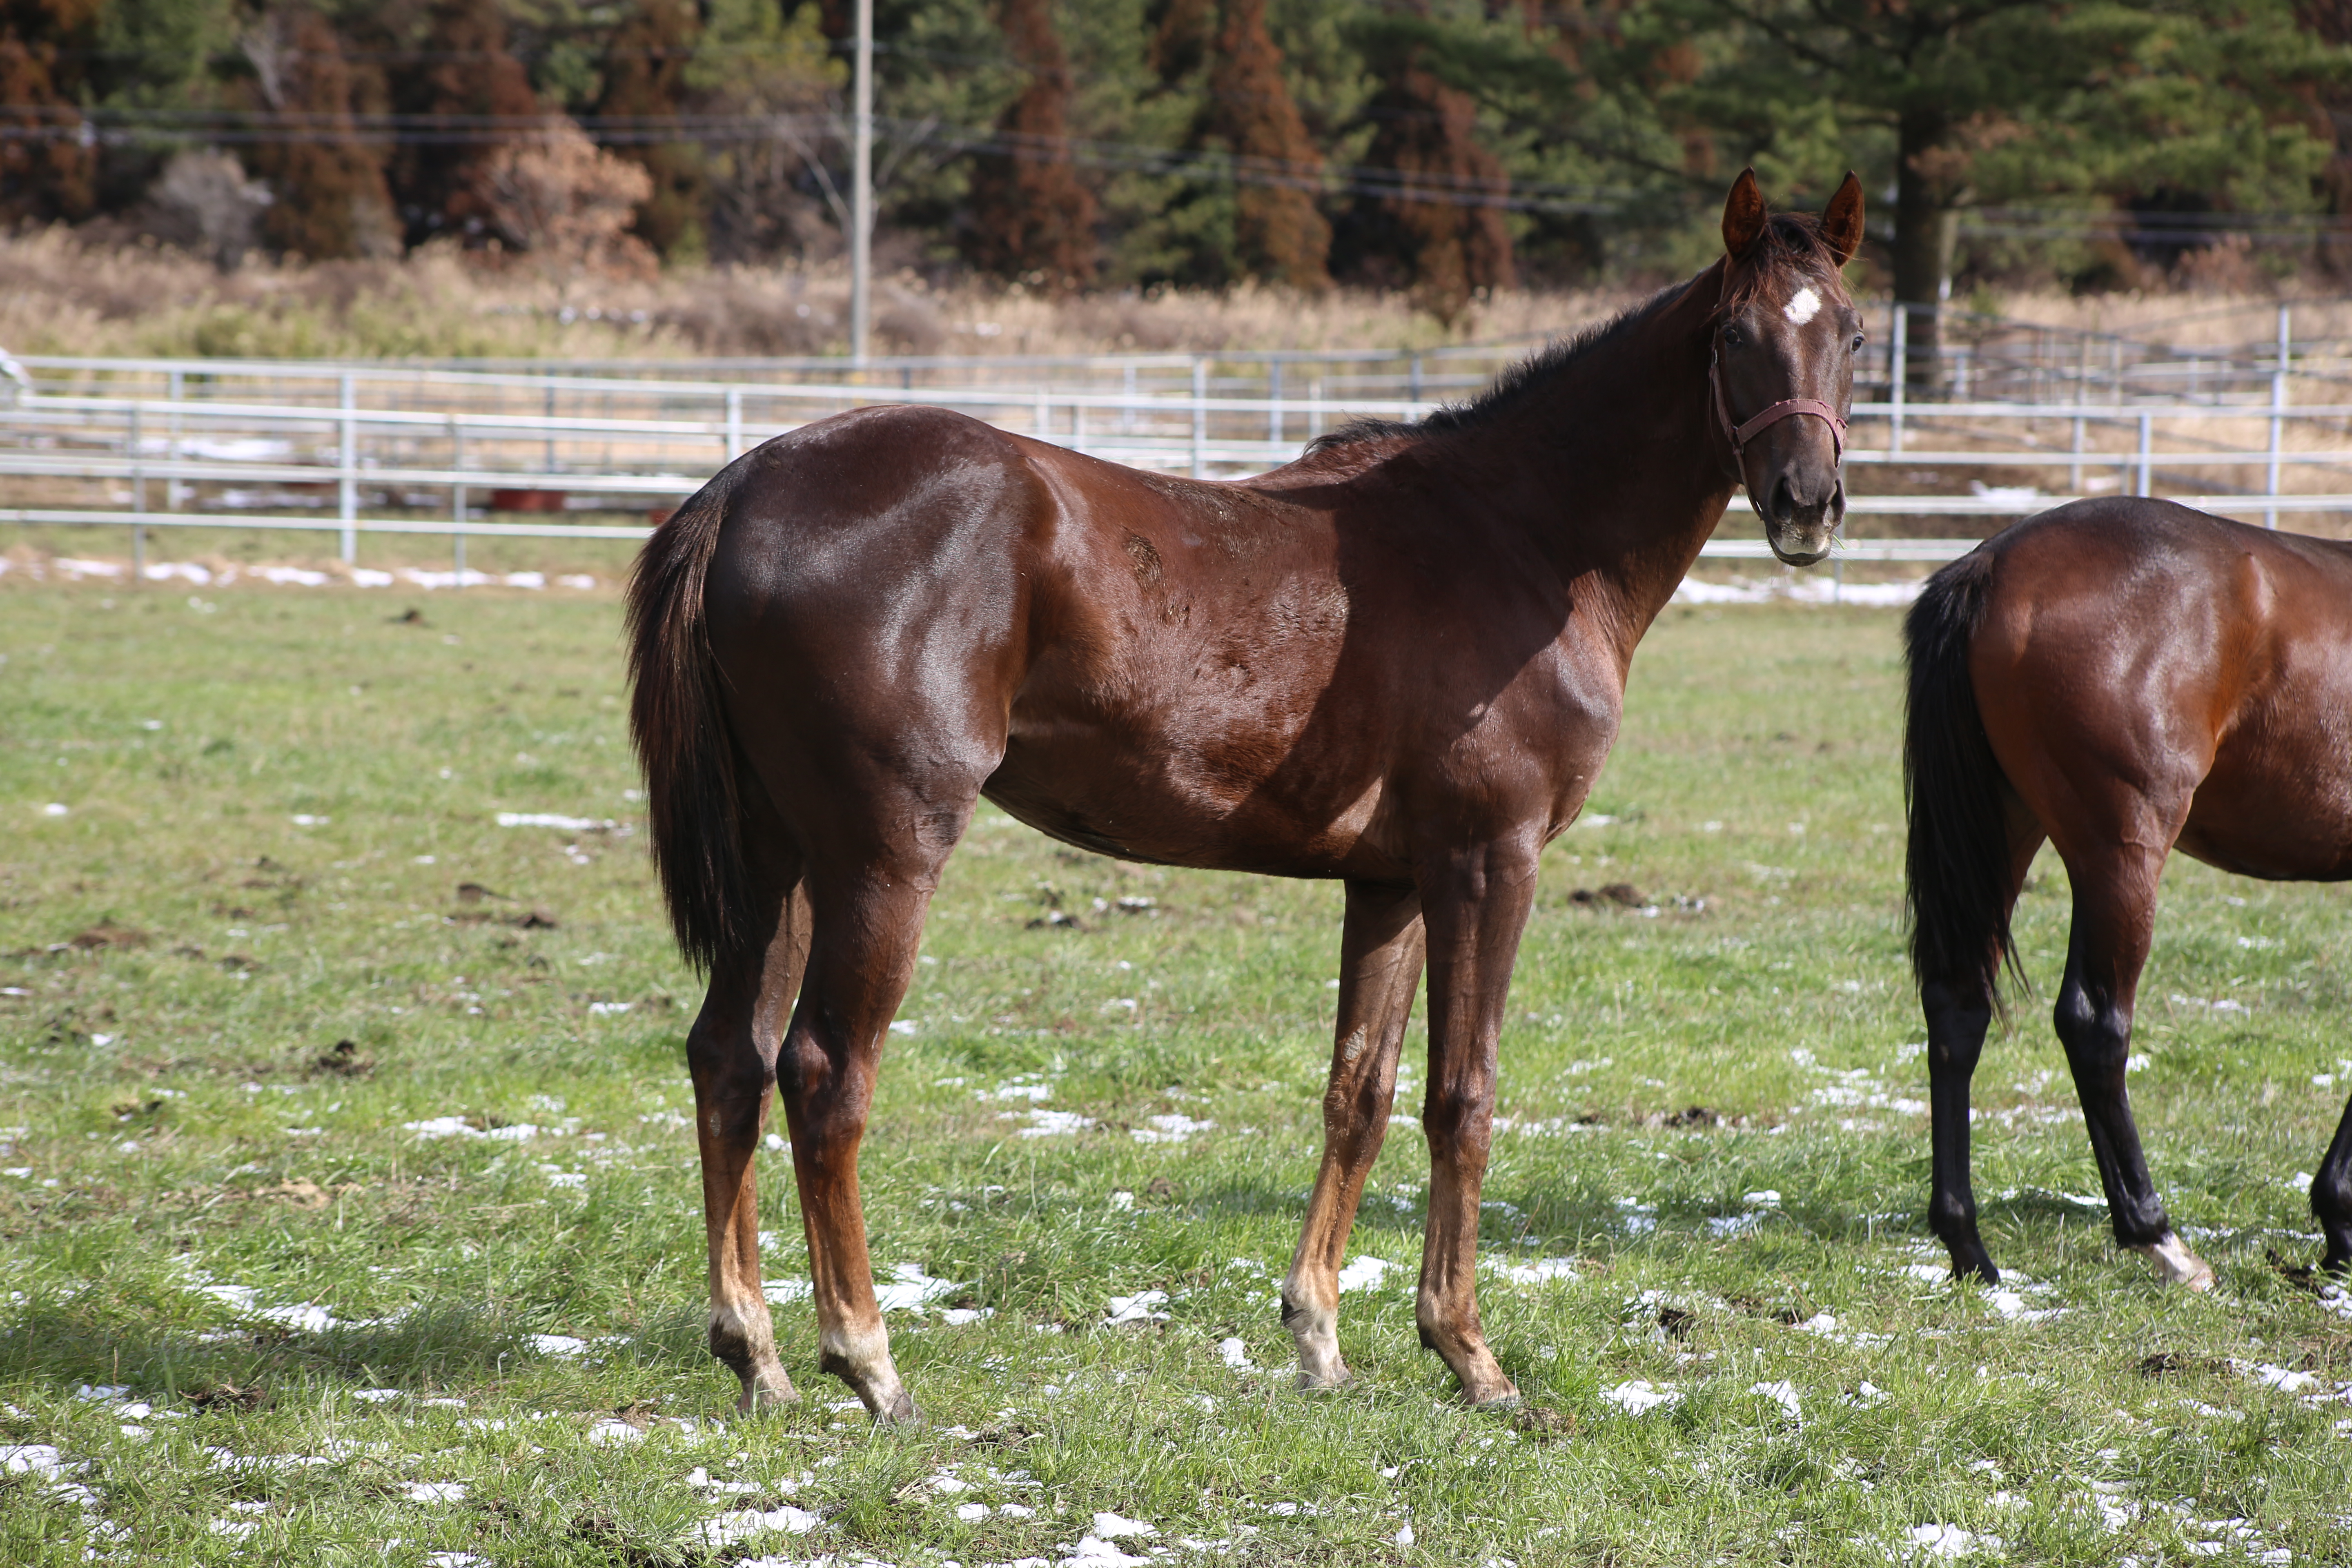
[
  {"x": 1842, "y": 220},
  {"x": 1743, "y": 214}
]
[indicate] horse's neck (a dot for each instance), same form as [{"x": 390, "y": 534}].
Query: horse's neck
[{"x": 1629, "y": 476}]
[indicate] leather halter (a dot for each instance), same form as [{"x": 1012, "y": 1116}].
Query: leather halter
[{"x": 1787, "y": 408}]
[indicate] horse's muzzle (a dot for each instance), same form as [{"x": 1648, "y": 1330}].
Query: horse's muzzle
[{"x": 1802, "y": 517}]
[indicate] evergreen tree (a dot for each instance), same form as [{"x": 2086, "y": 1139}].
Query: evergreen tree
[
  {"x": 1967, "y": 102},
  {"x": 451, "y": 72},
  {"x": 645, "y": 79},
  {"x": 774, "y": 72},
  {"x": 1246, "y": 202},
  {"x": 154, "y": 55},
  {"x": 326, "y": 181},
  {"x": 48, "y": 167},
  {"x": 1278, "y": 231},
  {"x": 1027, "y": 210},
  {"x": 1423, "y": 225}
]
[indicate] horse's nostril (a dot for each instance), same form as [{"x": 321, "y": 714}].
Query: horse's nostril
[{"x": 1784, "y": 502}]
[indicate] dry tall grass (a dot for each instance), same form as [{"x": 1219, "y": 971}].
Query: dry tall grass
[
  {"x": 61, "y": 293},
  {"x": 66, "y": 293}
]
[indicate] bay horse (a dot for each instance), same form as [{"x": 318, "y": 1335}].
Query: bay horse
[
  {"x": 1397, "y": 661},
  {"x": 2122, "y": 678}
]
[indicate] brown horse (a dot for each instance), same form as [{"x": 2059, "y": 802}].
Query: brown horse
[
  {"x": 2120, "y": 677},
  {"x": 1397, "y": 661}
]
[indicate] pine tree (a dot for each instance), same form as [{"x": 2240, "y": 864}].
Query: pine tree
[
  {"x": 1278, "y": 231},
  {"x": 760, "y": 63},
  {"x": 646, "y": 65},
  {"x": 48, "y": 167},
  {"x": 327, "y": 182},
  {"x": 474, "y": 97},
  {"x": 1028, "y": 212},
  {"x": 1978, "y": 102},
  {"x": 1430, "y": 232}
]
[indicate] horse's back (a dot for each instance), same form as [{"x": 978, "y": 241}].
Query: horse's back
[{"x": 2138, "y": 649}]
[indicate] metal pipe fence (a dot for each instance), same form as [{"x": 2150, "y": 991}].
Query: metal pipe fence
[{"x": 324, "y": 448}]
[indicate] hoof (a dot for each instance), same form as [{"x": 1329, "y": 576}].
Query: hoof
[
  {"x": 765, "y": 1390},
  {"x": 1970, "y": 1261},
  {"x": 1323, "y": 1383},
  {"x": 1502, "y": 1396},
  {"x": 900, "y": 1414},
  {"x": 2175, "y": 1264}
]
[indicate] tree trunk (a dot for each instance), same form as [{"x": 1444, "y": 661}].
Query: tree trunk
[{"x": 1927, "y": 226}]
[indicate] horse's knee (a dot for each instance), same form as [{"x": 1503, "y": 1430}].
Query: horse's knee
[{"x": 1460, "y": 1124}]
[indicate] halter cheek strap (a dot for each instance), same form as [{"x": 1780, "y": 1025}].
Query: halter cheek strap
[{"x": 1787, "y": 408}]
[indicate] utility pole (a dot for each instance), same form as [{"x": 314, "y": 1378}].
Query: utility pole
[{"x": 861, "y": 192}]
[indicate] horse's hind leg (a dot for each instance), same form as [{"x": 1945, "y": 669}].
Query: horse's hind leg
[
  {"x": 2331, "y": 1198},
  {"x": 1380, "y": 964},
  {"x": 731, "y": 1055},
  {"x": 876, "y": 845},
  {"x": 1960, "y": 1010},
  {"x": 2114, "y": 920}
]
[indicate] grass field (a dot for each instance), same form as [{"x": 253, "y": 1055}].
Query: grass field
[{"x": 434, "y": 1294}]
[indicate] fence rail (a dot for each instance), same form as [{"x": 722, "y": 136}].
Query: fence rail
[{"x": 313, "y": 447}]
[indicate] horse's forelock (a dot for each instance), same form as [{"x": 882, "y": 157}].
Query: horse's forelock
[{"x": 1788, "y": 242}]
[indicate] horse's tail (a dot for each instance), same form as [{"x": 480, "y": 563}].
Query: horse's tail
[
  {"x": 676, "y": 716},
  {"x": 1957, "y": 868}
]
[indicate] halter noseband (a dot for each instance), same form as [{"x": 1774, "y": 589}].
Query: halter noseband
[{"x": 1787, "y": 408}]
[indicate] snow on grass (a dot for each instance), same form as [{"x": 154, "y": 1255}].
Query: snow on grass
[
  {"x": 748, "y": 1524},
  {"x": 1639, "y": 1396}
]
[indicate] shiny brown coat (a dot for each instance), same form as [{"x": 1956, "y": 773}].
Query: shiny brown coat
[
  {"x": 2120, "y": 677},
  {"x": 1398, "y": 662}
]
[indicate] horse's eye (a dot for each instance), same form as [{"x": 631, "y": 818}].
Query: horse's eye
[
  {"x": 1856, "y": 344},
  {"x": 1732, "y": 338}
]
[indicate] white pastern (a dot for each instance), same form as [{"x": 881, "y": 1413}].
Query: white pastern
[{"x": 1802, "y": 306}]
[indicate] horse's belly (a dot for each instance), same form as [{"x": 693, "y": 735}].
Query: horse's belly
[
  {"x": 2282, "y": 812},
  {"x": 1157, "y": 804}
]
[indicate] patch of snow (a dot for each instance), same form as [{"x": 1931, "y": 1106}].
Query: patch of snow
[
  {"x": 1050, "y": 1124},
  {"x": 1170, "y": 1128},
  {"x": 730, "y": 1528},
  {"x": 1136, "y": 1309},
  {"x": 1640, "y": 1397},
  {"x": 910, "y": 1290}
]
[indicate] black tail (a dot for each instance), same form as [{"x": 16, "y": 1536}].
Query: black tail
[
  {"x": 676, "y": 716},
  {"x": 1957, "y": 868}
]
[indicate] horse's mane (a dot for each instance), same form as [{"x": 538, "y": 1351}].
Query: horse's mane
[{"x": 1789, "y": 239}]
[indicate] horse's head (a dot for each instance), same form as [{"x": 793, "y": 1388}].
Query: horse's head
[{"x": 1786, "y": 333}]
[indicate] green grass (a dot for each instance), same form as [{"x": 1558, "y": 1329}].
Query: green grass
[{"x": 147, "y": 1088}]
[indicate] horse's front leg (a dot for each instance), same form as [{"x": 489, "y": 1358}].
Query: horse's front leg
[
  {"x": 731, "y": 1055},
  {"x": 1380, "y": 962},
  {"x": 1475, "y": 900}
]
